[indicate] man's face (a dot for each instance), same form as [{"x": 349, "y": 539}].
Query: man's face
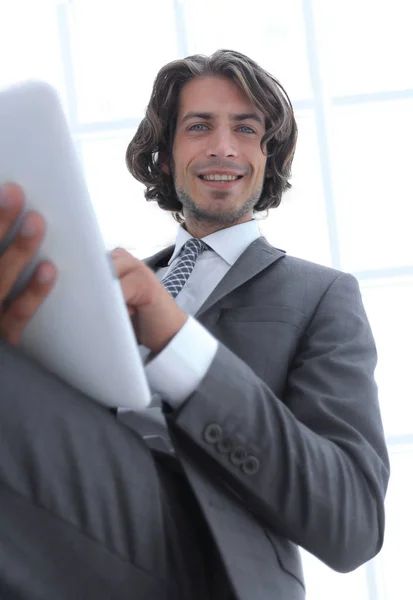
[{"x": 218, "y": 164}]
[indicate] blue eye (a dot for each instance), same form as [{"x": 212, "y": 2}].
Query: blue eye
[
  {"x": 198, "y": 127},
  {"x": 246, "y": 129}
]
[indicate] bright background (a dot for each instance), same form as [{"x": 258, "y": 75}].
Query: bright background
[{"x": 347, "y": 65}]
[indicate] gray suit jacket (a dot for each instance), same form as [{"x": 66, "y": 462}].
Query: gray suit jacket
[{"x": 282, "y": 441}]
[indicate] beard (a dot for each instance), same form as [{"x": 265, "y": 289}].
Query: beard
[{"x": 221, "y": 216}]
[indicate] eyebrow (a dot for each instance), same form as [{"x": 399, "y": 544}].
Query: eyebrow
[{"x": 236, "y": 117}]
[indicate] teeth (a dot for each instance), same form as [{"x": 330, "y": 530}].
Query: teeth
[{"x": 219, "y": 177}]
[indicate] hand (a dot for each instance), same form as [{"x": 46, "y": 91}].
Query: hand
[
  {"x": 14, "y": 259},
  {"x": 155, "y": 315}
]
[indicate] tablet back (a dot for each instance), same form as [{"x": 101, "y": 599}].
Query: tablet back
[{"x": 82, "y": 331}]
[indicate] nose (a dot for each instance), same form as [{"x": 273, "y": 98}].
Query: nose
[{"x": 222, "y": 144}]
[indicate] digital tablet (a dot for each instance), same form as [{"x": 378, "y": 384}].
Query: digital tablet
[{"x": 82, "y": 331}]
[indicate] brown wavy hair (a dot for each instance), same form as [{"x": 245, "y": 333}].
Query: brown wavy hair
[{"x": 152, "y": 143}]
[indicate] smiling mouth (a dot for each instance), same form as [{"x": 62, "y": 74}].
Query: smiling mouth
[{"x": 220, "y": 178}]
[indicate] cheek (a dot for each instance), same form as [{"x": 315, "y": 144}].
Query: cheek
[
  {"x": 184, "y": 180},
  {"x": 260, "y": 173},
  {"x": 257, "y": 177},
  {"x": 182, "y": 172}
]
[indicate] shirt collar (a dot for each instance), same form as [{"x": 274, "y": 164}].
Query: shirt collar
[{"x": 228, "y": 243}]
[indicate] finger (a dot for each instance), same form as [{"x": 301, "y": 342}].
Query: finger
[
  {"x": 125, "y": 263},
  {"x": 16, "y": 317},
  {"x": 11, "y": 204},
  {"x": 117, "y": 253},
  {"x": 139, "y": 289},
  {"x": 20, "y": 252}
]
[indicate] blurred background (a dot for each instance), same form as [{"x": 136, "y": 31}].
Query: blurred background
[{"x": 347, "y": 65}]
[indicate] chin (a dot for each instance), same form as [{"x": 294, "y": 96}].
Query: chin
[{"x": 221, "y": 207}]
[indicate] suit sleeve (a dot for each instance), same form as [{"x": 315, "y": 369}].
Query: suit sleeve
[{"x": 312, "y": 466}]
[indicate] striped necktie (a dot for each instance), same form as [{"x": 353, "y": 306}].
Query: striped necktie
[{"x": 178, "y": 276}]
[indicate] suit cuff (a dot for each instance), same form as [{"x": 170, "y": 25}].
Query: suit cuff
[{"x": 176, "y": 372}]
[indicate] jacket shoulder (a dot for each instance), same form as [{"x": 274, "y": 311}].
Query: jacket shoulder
[{"x": 306, "y": 268}]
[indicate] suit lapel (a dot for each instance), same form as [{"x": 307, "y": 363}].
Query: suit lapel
[{"x": 257, "y": 257}]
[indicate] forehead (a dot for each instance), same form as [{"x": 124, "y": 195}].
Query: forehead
[{"x": 217, "y": 95}]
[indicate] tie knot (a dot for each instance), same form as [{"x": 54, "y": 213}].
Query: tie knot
[
  {"x": 178, "y": 276},
  {"x": 194, "y": 247}
]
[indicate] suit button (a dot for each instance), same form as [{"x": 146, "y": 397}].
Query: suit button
[
  {"x": 225, "y": 445},
  {"x": 238, "y": 456},
  {"x": 251, "y": 465},
  {"x": 212, "y": 433}
]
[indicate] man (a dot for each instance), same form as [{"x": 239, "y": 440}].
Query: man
[{"x": 274, "y": 435}]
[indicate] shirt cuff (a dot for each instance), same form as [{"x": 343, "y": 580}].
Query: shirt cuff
[{"x": 176, "y": 372}]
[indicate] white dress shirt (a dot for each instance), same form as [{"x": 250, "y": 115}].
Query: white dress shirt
[{"x": 176, "y": 372}]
